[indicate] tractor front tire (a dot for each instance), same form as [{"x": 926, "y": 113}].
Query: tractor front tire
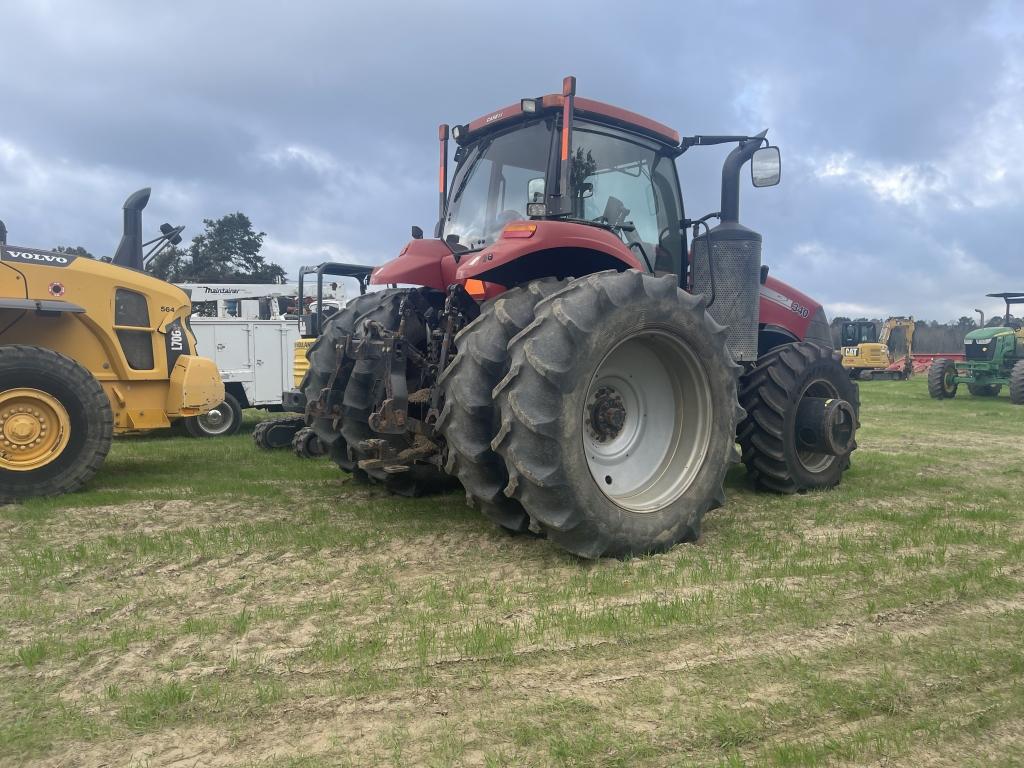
[
  {"x": 942, "y": 379},
  {"x": 366, "y": 389},
  {"x": 1017, "y": 383},
  {"x": 224, "y": 420},
  {"x": 469, "y": 419},
  {"x": 56, "y": 424},
  {"x": 985, "y": 390},
  {"x": 771, "y": 393},
  {"x": 618, "y": 415},
  {"x": 330, "y": 370}
]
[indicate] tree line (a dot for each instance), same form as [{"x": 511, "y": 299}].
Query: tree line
[{"x": 226, "y": 251}]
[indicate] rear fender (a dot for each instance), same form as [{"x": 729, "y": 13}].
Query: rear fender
[
  {"x": 428, "y": 263},
  {"x": 555, "y": 249}
]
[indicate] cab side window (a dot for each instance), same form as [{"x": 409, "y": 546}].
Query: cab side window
[{"x": 132, "y": 310}]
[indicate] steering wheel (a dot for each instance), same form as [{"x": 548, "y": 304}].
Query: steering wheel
[{"x": 507, "y": 216}]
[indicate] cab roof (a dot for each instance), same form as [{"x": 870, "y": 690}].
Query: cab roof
[{"x": 584, "y": 107}]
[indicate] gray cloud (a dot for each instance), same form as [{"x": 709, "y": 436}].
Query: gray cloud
[{"x": 898, "y": 122}]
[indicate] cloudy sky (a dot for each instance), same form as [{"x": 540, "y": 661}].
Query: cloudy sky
[{"x": 901, "y": 123}]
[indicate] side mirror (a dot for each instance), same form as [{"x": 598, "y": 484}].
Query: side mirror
[
  {"x": 586, "y": 190},
  {"x": 535, "y": 191},
  {"x": 766, "y": 167}
]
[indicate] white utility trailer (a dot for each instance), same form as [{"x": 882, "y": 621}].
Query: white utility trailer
[{"x": 255, "y": 359}]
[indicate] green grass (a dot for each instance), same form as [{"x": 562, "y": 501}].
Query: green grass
[{"x": 204, "y": 602}]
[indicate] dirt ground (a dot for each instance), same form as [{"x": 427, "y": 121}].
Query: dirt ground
[{"x": 295, "y": 618}]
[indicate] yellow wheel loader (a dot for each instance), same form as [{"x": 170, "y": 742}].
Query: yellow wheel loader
[
  {"x": 866, "y": 353},
  {"x": 88, "y": 349}
]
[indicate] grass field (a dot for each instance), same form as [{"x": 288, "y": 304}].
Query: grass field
[{"x": 207, "y": 604}]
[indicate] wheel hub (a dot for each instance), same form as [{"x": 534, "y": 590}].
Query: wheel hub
[
  {"x": 646, "y": 421},
  {"x": 214, "y": 418},
  {"x": 34, "y": 429},
  {"x": 607, "y": 415}
]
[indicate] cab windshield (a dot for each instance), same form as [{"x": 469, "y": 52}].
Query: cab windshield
[
  {"x": 859, "y": 333},
  {"x": 491, "y": 185},
  {"x": 618, "y": 181}
]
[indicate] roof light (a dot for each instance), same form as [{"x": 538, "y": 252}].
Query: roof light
[
  {"x": 529, "y": 106},
  {"x": 521, "y": 229},
  {"x": 457, "y": 132}
]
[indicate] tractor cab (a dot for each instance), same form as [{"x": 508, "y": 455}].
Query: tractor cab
[{"x": 622, "y": 180}]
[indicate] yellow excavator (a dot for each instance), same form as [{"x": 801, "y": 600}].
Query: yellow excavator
[
  {"x": 88, "y": 349},
  {"x": 866, "y": 352}
]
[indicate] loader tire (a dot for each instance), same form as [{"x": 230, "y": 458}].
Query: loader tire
[
  {"x": 771, "y": 393},
  {"x": 1017, "y": 383},
  {"x": 56, "y": 424},
  {"x": 365, "y": 391},
  {"x": 618, "y": 415},
  {"x": 941, "y": 375},
  {"x": 469, "y": 419},
  {"x": 324, "y": 363},
  {"x": 985, "y": 390},
  {"x": 224, "y": 420}
]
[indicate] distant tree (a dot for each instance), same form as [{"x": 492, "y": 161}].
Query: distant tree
[
  {"x": 169, "y": 265},
  {"x": 965, "y": 323},
  {"x": 73, "y": 251},
  {"x": 226, "y": 251}
]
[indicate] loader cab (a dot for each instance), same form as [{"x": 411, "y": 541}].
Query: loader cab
[{"x": 620, "y": 179}]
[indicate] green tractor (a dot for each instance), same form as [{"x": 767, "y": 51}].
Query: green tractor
[{"x": 994, "y": 356}]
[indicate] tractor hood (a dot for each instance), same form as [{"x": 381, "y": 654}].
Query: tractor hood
[{"x": 988, "y": 333}]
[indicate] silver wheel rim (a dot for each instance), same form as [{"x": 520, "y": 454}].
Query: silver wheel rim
[
  {"x": 647, "y": 421},
  {"x": 811, "y": 460},
  {"x": 217, "y": 421}
]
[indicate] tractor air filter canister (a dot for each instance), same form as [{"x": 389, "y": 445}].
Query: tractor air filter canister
[{"x": 729, "y": 280}]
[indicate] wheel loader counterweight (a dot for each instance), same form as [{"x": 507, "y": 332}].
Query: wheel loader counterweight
[
  {"x": 567, "y": 357},
  {"x": 88, "y": 349}
]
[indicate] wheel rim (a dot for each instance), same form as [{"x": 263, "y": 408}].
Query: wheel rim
[
  {"x": 217, "y": 421},
  {"x": 948, "y": 380},
  {"x": 34, "y": 429},
  {"x": 647, "y": 421},
  {"x": 813, "y": 461}
]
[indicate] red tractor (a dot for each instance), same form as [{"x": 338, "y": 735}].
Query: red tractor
[{"x": 580, "y": 370}]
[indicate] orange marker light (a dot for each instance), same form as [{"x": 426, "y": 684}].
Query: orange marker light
[
  {"x": 519, "y": 230},
  {"x": 475, "y": 288}
]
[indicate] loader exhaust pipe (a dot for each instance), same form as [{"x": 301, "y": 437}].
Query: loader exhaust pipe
[
  {"x": 129, "y": 250},
  {"x": 3, "y": 233}
]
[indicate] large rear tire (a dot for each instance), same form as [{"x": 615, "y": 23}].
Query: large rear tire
[
  {"x": 56, "y": 424},
  {"x": 771, "y": 393},
  {"x": 942, "y": 379},
  {"x": 469, "y": 419},
  {"x": 618, "y": 415},
  {"x": 1017, "y": 383}
]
